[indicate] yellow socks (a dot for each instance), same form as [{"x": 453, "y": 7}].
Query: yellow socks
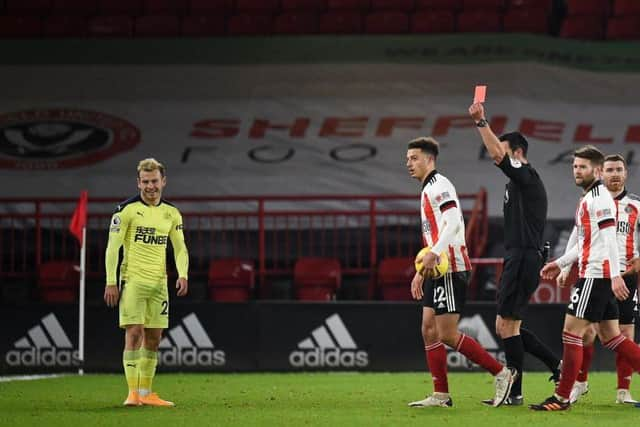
[
  {"x": 131, "y": 363},
  {"x": 148, "y": 363}
]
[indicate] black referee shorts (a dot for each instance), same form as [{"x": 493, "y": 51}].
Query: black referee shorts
[
  {"x": 629, "y": 308},
  {"x": 519, "y": 281}
]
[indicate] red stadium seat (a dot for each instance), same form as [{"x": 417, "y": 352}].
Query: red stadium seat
[
  {"x": 438, "y": 5},
  {"x": 526, "y": 21},
  {"x": 623, "y": 28},
  {"x": 250, "y": 25},
  {"x": 65, "y": 26},
  {"x": 157, "y": 26},
  {"x": 28, "y": 7},
  {"x": 437, "y": 21},
  {"x": 75, "y": 7},
  {"x": 386, "y": 23},
  {"x": 210, "y": 7},
  {"x": 165, "y": 7},
  {"x": 58, "y": 281},
  {"x": 20, "y": 26},
  {"x": 203, "y": 26},
  {"x": 547, "y": 5},
  {"x": 316, "y": 279},
  {"x": 484, "y": 5},
  {"x": 393, "y": 5},
  {"x": 304, "y": 5},
  {"x": 587, "y": 7},
  {"x": 394, "y": 278},
  {"x": 479, "y": 21},
  {"x": 231, "y": 280},
  {"x": 120, "y": 7},
  {"x": 582, "y": 27},
  {"x": 262, "y": 7},
  {"x": 111, "y": 26},
  {"x": 361, "y": 5},
  {"x": 626, "y": 7},
  {"x": 340, "y": 22},
  {"x": 296, "y": 23}
]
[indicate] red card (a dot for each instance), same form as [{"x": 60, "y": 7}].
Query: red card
[{"x": 480, "y": 95}]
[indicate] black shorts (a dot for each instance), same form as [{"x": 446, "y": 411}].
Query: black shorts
[
  {"x": 519, "y": 281},
  {"x": 447, "y": 294},
  {"x": 593, "y": 300},
  {"x": 629, "y": 308}
]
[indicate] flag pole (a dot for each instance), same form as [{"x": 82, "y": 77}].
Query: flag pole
[{"x": 83, "y": 251}]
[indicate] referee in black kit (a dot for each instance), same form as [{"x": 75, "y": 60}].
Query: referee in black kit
[{"x": 525, "y": 213}]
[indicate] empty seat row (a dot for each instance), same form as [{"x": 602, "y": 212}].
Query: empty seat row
[
  {"x": 183, "y": 7},
  {"x": 532, "y": 21},
  {"x": 596, "y": 28},
  {"x": 603, "y": 7}
]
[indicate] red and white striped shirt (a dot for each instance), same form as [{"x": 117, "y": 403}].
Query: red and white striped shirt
[
  {"x": 437, "y": 197},
  {"x": 627, "y": 210},
  {"x": 596, "y": 211}
]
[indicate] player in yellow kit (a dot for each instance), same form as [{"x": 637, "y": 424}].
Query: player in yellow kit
[{"x": 144, "y": 224}]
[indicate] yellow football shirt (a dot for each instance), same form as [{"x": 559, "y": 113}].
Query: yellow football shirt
[{"x": 144, "y": 231}]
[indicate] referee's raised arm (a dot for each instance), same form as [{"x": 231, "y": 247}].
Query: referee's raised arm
[{"x": 489, "y": 139}]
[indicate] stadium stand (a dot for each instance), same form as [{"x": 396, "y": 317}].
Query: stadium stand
[
  {"x": 394, "y": 278},
  {"x": 231, "y": 280},
  {"x": 316, "y": 279},
  {"x": 58, "y": 281}
]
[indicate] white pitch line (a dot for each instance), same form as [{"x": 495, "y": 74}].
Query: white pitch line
[{"x": 29, "y": 377}]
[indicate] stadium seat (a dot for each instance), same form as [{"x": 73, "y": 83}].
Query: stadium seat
[
  {"x": 316, "y": 279},
  {"x": 231, "y": 280},
  {"x": 28, "y": 7},
  {"x": 75, "y": 7},
  {"x": 111, "y": 26},
  {"x": 451, "y": 5},
  {"x": 296, "y": 23},
  {"x": 20, "y": 26},
  {"x": 393, "y": 5},
  {"x": 623, "y": 28},
  {"x": 120, "y": 7},
  {"x": 65, "y": 26},
  {"x": 58, "y": 281},
  {"x": 394, "y": 278},
  {"x": 386, "y": 23},
  {"x": 547, "y": 5},
  {"x": 526, "y": 21},
  {"x": 262, "y": 7},
  {"x": 587, "y": 7},
  {"x": 484, "y": 5},
  {"x": 157, "y": 26},
  {"x": 626, "y": 7},
  {"x": 210, "y": 7},
  {"x": 582, "y": 27},
  {"x": 203, "y": 26},
  {"x": 340, "y": 22},
  {"x": 304, "y": 5},
  {"x": 361, "y": 5},
  {"x": 479, "y": 21},
  {"x": 437, "y": 21},
  {"x": 250, "y": 25},
  {"x": 165, "y": 7}
]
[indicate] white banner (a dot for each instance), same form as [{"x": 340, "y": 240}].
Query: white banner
[{"x": 300, "y": 129}]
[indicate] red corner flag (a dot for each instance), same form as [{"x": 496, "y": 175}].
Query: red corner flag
[{"x": 79, "y": 218}]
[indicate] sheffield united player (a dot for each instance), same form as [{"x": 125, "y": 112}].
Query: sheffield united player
[
  {"x": 443, "y": 299},
  {"x": 614, "y": 175},
  {"x": 594, "y": 295}
]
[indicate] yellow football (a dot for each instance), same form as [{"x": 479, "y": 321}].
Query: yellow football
[{"x": 436, "y": 272}]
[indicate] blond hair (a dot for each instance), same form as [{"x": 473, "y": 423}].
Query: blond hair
[{"x": 150, "y": 165}]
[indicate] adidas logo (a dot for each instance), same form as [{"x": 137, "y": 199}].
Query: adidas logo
[
  {"x": 329, "y": 345},
  {"x": 476, "y": 328},
  {"x": 189, "y": 346},
  {"x": 46, "y": 344}
]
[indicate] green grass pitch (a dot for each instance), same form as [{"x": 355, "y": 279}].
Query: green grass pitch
[{"x": 301, "y": 399}]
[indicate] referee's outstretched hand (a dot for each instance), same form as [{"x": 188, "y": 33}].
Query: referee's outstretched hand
[{"x": 550, "y": 271}]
